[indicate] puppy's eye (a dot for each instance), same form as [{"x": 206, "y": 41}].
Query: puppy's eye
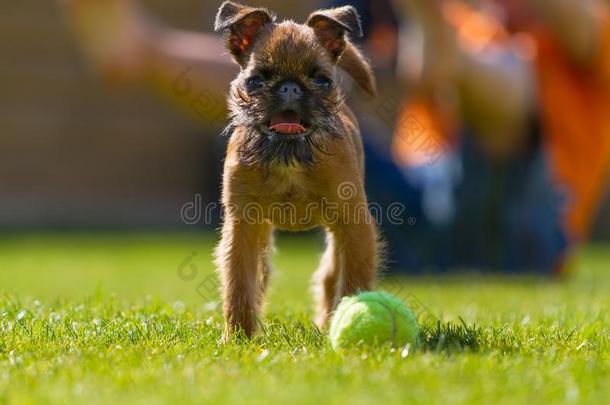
[
  {"x": 254, "y": 83},
  {"x": 324, "y": 83}
]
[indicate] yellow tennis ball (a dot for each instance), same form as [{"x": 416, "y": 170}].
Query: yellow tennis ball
[{"x": 373, "y": 318}]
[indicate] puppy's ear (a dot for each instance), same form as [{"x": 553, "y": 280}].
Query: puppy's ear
[
  {"x": 356, "y": 65},
  {"x": 243, "y": 24},
  {"x": 332, "y": 27}
]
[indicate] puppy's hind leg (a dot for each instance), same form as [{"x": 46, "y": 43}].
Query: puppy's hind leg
[{"x": 326, "y": 281}]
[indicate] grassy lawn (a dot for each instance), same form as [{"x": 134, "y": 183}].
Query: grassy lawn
[{"x": 123, "y": 319}]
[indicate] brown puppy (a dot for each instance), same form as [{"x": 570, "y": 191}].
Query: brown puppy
[{"x": 294, "y": 159}]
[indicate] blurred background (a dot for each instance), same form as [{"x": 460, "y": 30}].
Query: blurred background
[
  {"x": 80, "y": 153},
  {"x": 97, "y": 137},
  {"x": 76, "y": 153}
]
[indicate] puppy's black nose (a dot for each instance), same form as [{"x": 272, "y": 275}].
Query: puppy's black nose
[{"x": 289, "y": 91}]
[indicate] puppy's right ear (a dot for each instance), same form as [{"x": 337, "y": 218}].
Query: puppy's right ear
[{"x": 243, "y": 24}]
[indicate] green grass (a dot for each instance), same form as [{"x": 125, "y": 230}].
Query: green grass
[{"x": 109, "y": 319}]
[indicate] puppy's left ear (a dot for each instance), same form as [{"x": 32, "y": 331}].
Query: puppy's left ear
[
  {"x": 333, "y": 27},
  {"x": 243, "y": 24}
]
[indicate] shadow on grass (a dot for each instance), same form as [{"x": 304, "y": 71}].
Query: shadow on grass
[
  {"x": 439, "y": 337},
  {"x": 450, "y": 337}
]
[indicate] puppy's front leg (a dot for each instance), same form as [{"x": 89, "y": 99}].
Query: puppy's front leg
[
  {"x": 348, "y": 265},
  {"x": 238, "y": 259},
  {"x": 359, "y": 249}
]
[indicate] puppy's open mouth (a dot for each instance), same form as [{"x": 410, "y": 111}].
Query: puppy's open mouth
[{"x": 287, "y": 122}]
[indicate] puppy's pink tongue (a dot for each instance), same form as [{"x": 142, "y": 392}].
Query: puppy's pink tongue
[
  {"x": 287, "y": 128},
  {"x": 286, "y": 122}
]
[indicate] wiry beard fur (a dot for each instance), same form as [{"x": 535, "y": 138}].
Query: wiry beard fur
[{"x": 263, "y": 148}]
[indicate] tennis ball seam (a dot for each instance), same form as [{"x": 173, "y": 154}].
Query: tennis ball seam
[
  {"x": 392, "y": 314},
  {"x": 383, "y": 302},
  {"x": 388, "y": 308}
]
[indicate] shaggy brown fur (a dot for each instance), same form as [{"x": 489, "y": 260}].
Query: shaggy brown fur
[{"x": 293, "y": 180}]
